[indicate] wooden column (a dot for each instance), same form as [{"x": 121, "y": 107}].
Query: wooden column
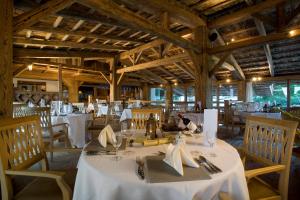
[
  {"x": 146, "y": 92},
  {"x": 60, "y": 83},
  {"x": 201, "y": 66},
  {"x": 95, "y": 92},
  {"x": 113, "y": 80},
  {"x": 242, "y": 91},
  {"x": 6, "y": 55},
  {"x": 73, "y": 89},
  {"x": 169, "y": 98},
  {"x": 185, "y": 90}
]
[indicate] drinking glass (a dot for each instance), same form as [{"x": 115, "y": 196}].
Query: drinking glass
[
  {"x": 211, "y": 139},
  {"x": 116, "y": 144}
]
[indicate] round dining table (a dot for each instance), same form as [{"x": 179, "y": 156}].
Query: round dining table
[{"x": 100, "y": 177}]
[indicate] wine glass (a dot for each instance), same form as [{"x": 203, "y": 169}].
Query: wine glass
[
  {"x": 211, "y": 139},
  {"x": 116, "y": 144}
]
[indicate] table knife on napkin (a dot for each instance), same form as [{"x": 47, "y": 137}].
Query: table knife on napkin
[{"x": 140, "y": 164}]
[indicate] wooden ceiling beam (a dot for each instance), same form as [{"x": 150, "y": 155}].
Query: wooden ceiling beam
[
  {"x": 170, "y": 74},
  {"x": 219, "y": 63},
  {"x": 259, "y": 40},
  {"x": 134, "y": 21},
  {"x": 155, "y": 63},
  {"x": 243, "y": 14},
  {"x": 81, "y": 34},
  {"x": 33, "y": 42},
  {"x": 155, "y": 76},
  {"x": 39, "y": 53},
  {"x": 31, "y": 17},
  {"x": 185, "y": 69},
  {"x": 175, "y": 10}
]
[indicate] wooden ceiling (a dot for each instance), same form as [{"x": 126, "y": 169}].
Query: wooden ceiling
[{"x": 150, "y": 38}]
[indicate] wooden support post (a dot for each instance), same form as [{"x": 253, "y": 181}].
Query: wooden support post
[
  {"x": 95, "y": 92},
  {"x": 185, "y": 90},
  {"x": 146, "y": 92},
  {"x": 201, "y": 66},
  {"x": 169, "y": 98},
  {"x": 73, "y": 89},
  {"x": 113, "y": 93},
  {"x": 60, "y": 83},
  {"x": 6, "y": 56},
  {"x": 242, "y": 91}
]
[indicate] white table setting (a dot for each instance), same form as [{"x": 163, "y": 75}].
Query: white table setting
[
  {"x": 77, "y": 126},
  {"x": 100, "y": 176}
]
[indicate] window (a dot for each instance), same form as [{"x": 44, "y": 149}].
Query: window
[
  {"x": 178, "y": 94},
  {"x": 227, "y": 92},
  {"x": 270, "y": 92},
  {"x": 295, "y": 93},
  {"x": 157, "y": 94}
]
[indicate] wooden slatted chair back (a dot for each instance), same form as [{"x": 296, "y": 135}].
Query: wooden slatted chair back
[
  {"x": 21, "y": 146},
  {"x": 45, "y": 117},
  {"x": 270, "y": 142},
  {"x": 140, "y": 116}
]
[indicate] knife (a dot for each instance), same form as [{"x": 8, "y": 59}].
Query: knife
[{"x": 210, "y": 164}]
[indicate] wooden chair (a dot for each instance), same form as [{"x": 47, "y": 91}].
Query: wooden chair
[
  {"x": 140, "y": 116},
  {"x": 268, "y": 142},
  {"x": 22, "y": 110},
  {"x": 21, "y": 146},
  {"x": 230, "y": 119},
  {"x": 49, "y": 135}
]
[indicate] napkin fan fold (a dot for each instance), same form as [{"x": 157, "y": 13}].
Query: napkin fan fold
[{"x": 107, "y": 135}]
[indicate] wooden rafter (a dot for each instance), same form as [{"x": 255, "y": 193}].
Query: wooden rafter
[
  {"x": 120, "y": 78},
  {"x": 219, "y": 63},
  {"x": 243, "y": 13},
  {"x": 81, "y": 34},
  {"x": 132, "y": 20},
  {"x": 176, "y": 11},
  {"x": 67, "y": 44},
  {"x": 170, "y": 74},
  {"x": 185, "y": 69},
  {"x": 31, "y": 17},
  {"x": 106, "y": 78},
  {"x": 255, "y": 41},
  {"x": 155, "y": 63},
  {"x": 39, "y": 53}
]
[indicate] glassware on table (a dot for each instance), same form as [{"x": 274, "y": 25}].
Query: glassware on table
[
  {"x": 126, "y": 132},
  {"x": 211, "y": 140},
  {"x": 116, "y": 144}
]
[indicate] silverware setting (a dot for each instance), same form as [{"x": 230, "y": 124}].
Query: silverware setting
[
  {"x": 210, "y": 167},
  {"x": 140, "y": 164},
  {"x": 94, "y": 153}
]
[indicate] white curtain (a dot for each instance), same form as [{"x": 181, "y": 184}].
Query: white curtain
[{"x": 249, "y": 92}]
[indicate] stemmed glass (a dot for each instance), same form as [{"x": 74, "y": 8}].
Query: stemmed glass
[
  {"x": 116, "y": 144},
  {"x": 128, "y": 134},
  {"x": 211, "y": 139}
]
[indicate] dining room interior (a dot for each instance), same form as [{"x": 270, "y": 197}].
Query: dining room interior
[{"x": 153, "y": 99}]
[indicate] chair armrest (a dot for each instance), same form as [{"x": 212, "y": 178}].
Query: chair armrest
[
  {"x": 60, "y": 124},
  {"x": 58, "y": 176},
  {"x": 70, "y": 150},
  {"x": 44, "y": 174},
  {"x": 264, "y": 170}
]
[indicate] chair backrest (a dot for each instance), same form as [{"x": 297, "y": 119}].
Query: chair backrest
[
  {"x": 270, "y": 142},
  {"x": 21, "y": 146},
  {"x": 45, "y": 116},
  {"x": 140, "y": 116}
]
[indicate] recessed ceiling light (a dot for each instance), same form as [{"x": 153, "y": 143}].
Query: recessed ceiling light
[
  {"x": 30, "y": 67},
  {"x": 292, "y": 32}
]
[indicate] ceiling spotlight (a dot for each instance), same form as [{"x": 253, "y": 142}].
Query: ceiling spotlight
[
  {"x": 232, "y": 39},
  {"x": 228, "y": 80},
  {"x": 161, "y": 85},
  {"x": 175, "y": 83},
  {"x": 30, "y": 67},
  {"x": 292, "y": 32},
  {"x": 254, "y": 79},
  {"x": 259, "y": 78}
]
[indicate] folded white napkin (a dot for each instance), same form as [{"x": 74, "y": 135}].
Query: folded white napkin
[
  {"x": 107, "y": 135},
  {"x": 176, "y": 156}
]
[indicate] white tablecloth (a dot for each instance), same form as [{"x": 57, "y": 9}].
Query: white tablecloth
[
  {"x": 99, "y": 177},
  {"x": 126, "y": 114},
  {"x": 77, "y": 126},
  {"x": 102, "y": 110}
]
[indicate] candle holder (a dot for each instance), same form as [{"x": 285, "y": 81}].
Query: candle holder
[{"x": 151, "y": 127}]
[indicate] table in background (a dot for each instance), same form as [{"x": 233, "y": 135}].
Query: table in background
[
  {"x": 99, "y": 177},
  {"x": 77, "y": 126},
  {"x": 244, "y": 114}
]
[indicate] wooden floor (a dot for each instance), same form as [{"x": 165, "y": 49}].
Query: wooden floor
[{"x": 66, "y": 161}]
